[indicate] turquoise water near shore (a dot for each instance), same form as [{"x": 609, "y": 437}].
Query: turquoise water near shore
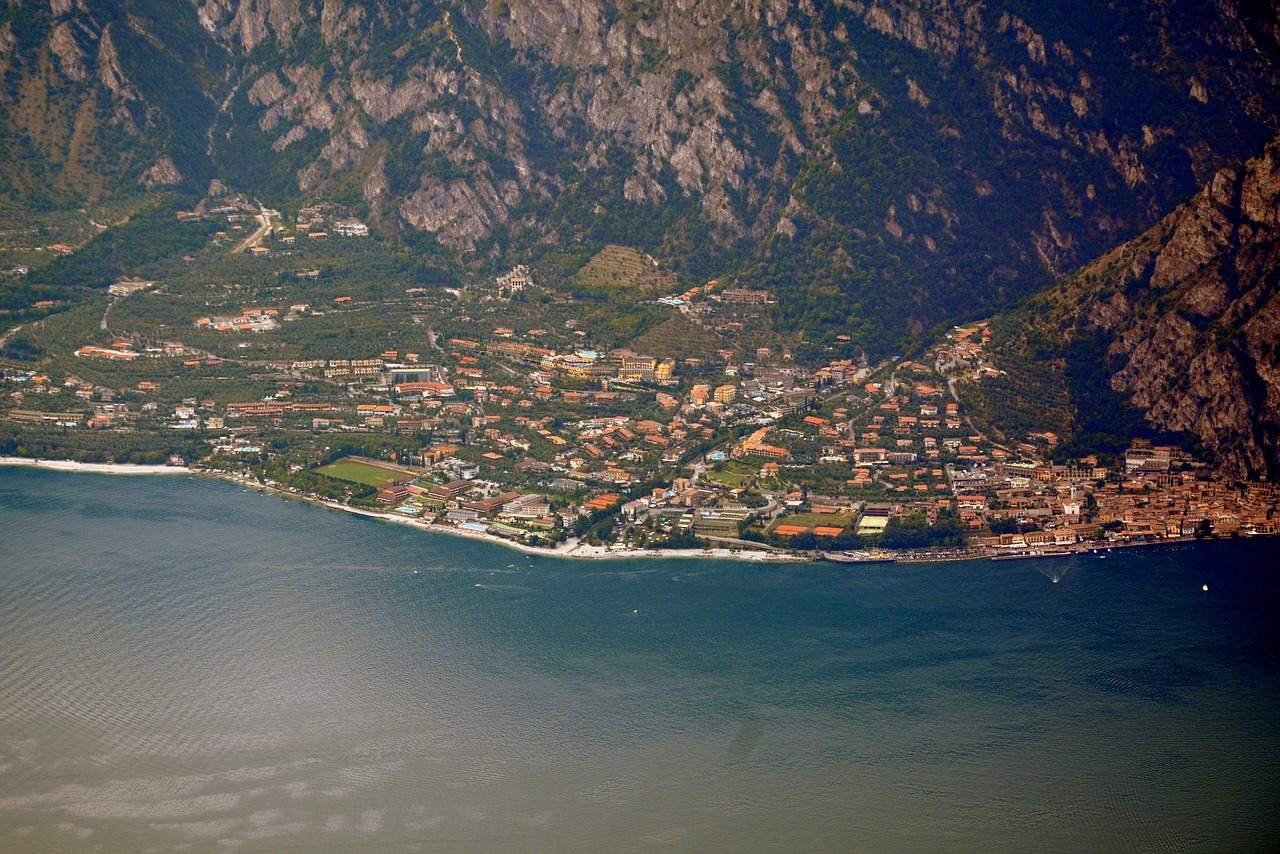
[{"x": 189, "y": 665}]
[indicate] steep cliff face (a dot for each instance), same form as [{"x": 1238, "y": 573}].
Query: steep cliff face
[
  {"x": 726, "y": 102},
  {"x": 1186, "y": 323},
  {"x": 378, "y": 99},
  {"x": 1198, "y": 336}
]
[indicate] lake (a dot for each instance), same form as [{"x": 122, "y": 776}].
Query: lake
[{"x": 187, "y": 665}]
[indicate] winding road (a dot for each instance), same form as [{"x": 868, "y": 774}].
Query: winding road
[
  {"x": 4, "y": 339},
  {"x": 265, "y": 225}
]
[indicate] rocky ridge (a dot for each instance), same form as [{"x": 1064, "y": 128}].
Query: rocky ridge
[
  {"x": 880, "y": 166},
  {"x": 1208, "y": 361},
  {"x": 728, "y": 99},
  {"x": 1191, "y": 314}
]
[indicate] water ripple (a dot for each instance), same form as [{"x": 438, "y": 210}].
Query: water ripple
[{"x": 189, "y": 665}]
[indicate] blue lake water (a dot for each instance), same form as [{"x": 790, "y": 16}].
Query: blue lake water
[{"x": 189, "y": 665}]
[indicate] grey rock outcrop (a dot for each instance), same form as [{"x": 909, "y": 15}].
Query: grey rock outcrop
[
  {"x": 161, "y": 173},
  {"x": 1182, "y": 323},
  {"x": 1200, "y": 337}
]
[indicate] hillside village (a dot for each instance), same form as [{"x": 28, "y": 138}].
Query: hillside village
[{"x": 522, "y": 424}]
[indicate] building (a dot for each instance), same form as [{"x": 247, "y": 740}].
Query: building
[
  {"x": 638, "y": 368},
  {"x": 428, "y": 390},
  {"x": 725, "y": 394},
  {"x": 125, "y": 287},
  {"x": 742, "y": 295},
  {"x": 398, "y": 374},
  {"x": 526, "y": 508},
  {"x": 61, "y": 418},
  {"x": 351, "y": 228},
  {"x": 449, "y": 491},
  {"x": 1147, "y": 459},
  {"x": 755, "y": 446},
  {"x": 393, "y": 494},
  {"x": 514, "y": 281}
]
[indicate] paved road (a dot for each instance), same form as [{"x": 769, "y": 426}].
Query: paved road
[
  {"x": 748, "y": 543},
  {"x": 103, "y": 324},
  {"x": 4, "y": 339},
  {"x": 256, "y": 236}
]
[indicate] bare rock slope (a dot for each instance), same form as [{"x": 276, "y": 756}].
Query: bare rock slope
[
  {"x": 1208, "y": 362},
  {"x": 1182, "y": 322}
]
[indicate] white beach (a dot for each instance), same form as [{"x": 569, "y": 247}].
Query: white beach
[{"x": 93, "y": 468}]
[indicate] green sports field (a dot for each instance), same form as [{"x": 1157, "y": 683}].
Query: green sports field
[{"x": 355, "y": 471}]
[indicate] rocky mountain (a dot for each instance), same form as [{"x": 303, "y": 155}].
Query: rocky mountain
[
  {"x": 880, "y": 166},
  {"x": 1180, "y": 326},
  {"x": 883, "y": 167},
  {"x": 101, "y": 100}
]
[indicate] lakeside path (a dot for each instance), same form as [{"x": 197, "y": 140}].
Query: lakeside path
[{"x": 571, "y": 549}]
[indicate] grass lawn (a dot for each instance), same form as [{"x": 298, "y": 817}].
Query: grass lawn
[
  {"x": 731, "y": 472},
  {"x": 726, "y": 477},
  {"x": 738, "y": 467},
  {"x": 358, "y": 472}
]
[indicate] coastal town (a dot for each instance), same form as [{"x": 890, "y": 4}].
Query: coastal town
[{"x": 491, "y": 420}]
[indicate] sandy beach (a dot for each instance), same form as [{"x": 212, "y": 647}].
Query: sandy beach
[{"x": 94, "y": 468}]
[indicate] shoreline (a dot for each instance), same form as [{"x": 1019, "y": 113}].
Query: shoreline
[
  {"x": 94, "y": 468},
  {"x": 571, "y": 549}
]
